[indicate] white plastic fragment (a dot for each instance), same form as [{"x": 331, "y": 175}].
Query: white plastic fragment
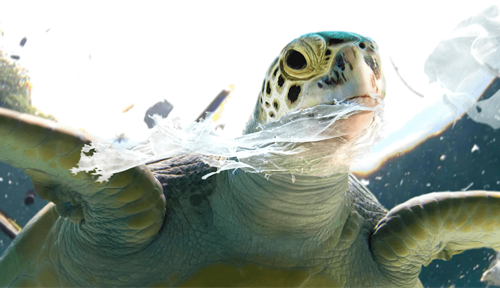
[
  {"x": 365, "y": 182},
  {"x": 492, "y": 275},
  {"x": 468, "y": 186},
  {"x": 466, "y": 62},
  {"x": 474, "y": 148}
]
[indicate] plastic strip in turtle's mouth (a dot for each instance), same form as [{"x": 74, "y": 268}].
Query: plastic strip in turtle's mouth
[
  {"x": 360, "y": 98},
  {"x": 349, "y": 100}
]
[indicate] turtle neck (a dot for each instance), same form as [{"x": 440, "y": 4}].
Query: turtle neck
[{"x": 279, "y": 206}]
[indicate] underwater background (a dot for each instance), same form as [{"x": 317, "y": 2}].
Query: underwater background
[
  {"x": 465, "y": 156},
  {"x": 446, "y": 162}
]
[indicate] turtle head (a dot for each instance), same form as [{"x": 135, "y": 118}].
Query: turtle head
[{"x": 320, "y": 68}]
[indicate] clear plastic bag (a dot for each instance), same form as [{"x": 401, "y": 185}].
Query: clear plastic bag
[
  {"x": 465, "y": 64},
  {"x": 298, "y": 139}
]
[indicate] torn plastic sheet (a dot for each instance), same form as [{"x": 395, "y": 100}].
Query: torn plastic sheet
[
  {"x": 295, "y": 138},
  {"x": 492, "y": 275},
  {"x": 465, "y": 64}
]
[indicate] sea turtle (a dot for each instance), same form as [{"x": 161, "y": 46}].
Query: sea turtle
[{"x": 162, "y": 225}]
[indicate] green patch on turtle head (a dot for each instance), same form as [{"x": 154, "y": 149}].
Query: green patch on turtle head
[{"x": 320, "y": 68}]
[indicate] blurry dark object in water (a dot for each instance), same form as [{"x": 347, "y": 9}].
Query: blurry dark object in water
[
  {"x": 214, "y": 105},
  {"x": 162, "y": 108},
  {"x": 15, "y": 57},
  {"x": 120, "y": 138},
  {"x": 30, "y": 197},
  {"x": 9, "y": 226},
  {"x": 23, "y": 42},
  {"x": 491, "y": 89}
]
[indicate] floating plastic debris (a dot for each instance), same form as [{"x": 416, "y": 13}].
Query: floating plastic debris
[
  {"x": 23, "y": 42},
  {"x": 468, "y": 186},
  {"x": 120, "y": 138},
  {"x": 8, "y": 225},
  {"x": 474, "y": 148},
  {"x": 128, "y": 108},
  {"x": 30, "y": 197},
  {"x": 492, "y": 275},
  {"x": 290, "y": 136},
  {"x": 466, "y": 63},
  {"x": 162, "y": 108}
]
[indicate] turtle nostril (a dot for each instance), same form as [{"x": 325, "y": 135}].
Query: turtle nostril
[{"x": 362, "y": 45}]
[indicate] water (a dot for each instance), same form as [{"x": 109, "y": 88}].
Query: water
[
  {"x": 471, "y": 162},
  {"x": 13, "y": 187}
]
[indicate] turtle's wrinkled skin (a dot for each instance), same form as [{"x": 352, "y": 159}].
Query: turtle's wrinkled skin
[{"x": 161, "y": 225}]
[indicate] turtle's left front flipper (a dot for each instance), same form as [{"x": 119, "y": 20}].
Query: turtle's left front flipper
[
  {"x": 108, "y": 220},
  {"x": 128, "y": 209},
  {"x": 435, "y": 226}
]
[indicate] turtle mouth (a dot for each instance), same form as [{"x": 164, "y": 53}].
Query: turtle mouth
[{"x": 363, "y": 100}]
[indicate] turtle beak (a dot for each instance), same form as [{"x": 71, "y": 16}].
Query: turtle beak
[{"x": 359, "y": 74}]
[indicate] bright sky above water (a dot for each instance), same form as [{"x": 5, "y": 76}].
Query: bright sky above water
[{"x": 98, "y": 57}]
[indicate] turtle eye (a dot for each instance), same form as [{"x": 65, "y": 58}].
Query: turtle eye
[{"x": 295, "y": 60}]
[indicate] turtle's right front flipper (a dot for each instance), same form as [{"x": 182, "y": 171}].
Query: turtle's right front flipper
[
  {"x": 435, "y": 226},
  {"x": 130, "y": 207}
]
